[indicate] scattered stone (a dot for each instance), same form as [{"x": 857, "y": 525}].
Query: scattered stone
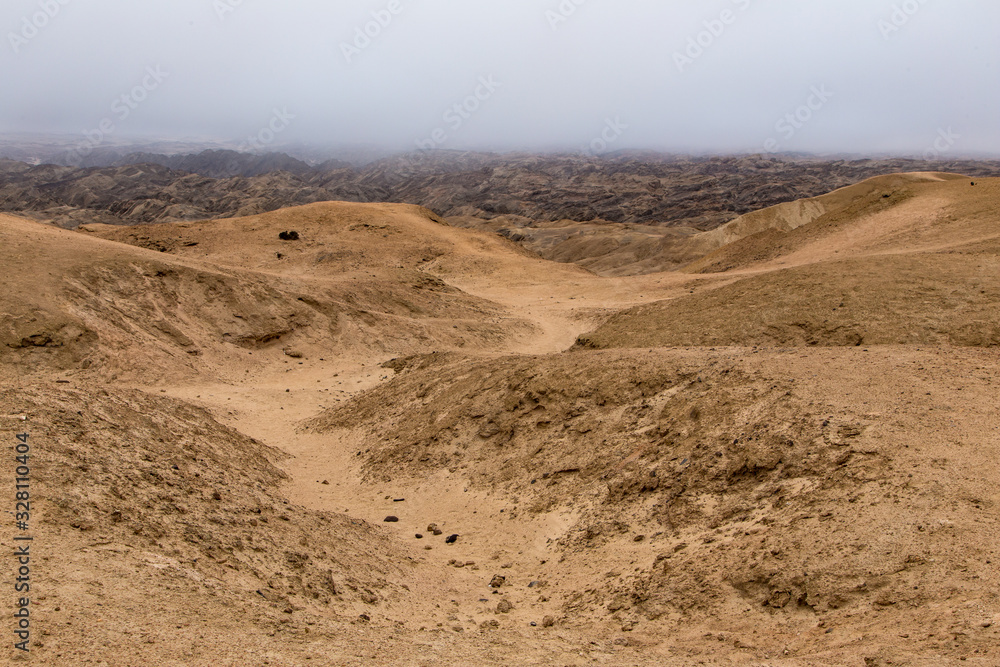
[
  {"x": 504, "y": 607},
  {"x": 533, "y": 624},
  {"x": 399, "y": 500},
  {"x": 451, "y": 539},
  {"x": 294, "y": 354},
  {"x": 419, "y": 536},
  {"x": 534, "y": 584},
  {"x": 638, "y": 538},
  {"x": 289, "y": 236},
  {"x": 432, "y": 528},
  {"x": 272, "y": 596},
  {"x": 216, "y": 495},
  {"x": 391, "y": 519},
  {"x": 548, "y": 621},
  {"x": 498, "y": 581},
  {"x": 326, "y": 483}
]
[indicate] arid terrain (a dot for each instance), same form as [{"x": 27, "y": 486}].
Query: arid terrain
[{"x": 285, "y": 431}]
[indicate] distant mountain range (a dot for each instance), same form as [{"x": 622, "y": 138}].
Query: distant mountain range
[{"x": 523, "y": 190}]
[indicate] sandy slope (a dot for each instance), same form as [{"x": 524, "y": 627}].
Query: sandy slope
[{"x": 719, "y": 503}]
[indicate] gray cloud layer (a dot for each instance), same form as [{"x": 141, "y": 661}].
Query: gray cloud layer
[{"x": 824, "y": 75}]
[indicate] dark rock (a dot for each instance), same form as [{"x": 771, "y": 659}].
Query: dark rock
[
  {"x": 504, "y": 607},
  {"x": 451, "y": 539},
  {"x": 272, "y": 596},
  {"x": 391, "y": 519},
  {"x": 289, "y": 236},
  {"x": 498, "y": 581}
]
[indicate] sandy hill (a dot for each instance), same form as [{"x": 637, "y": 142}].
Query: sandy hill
[
  {"x": 921, "y": 268},
  {"x": 902, "y": 211},
  {"x": 205, "y": 296},
  {"x": 760, "y": 497},
  {"x": 338, "y": 239},
  {"x": 375, "y": 442}
]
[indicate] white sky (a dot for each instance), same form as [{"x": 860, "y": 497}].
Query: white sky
[{"x": 610, "y": 59}]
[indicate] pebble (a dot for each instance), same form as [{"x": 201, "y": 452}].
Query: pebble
[
  {"x": 419, "y": 536},
  {"x": 498, "y": 581},
  {"x": 504, "y": 607},
  {"x": 391, "y": 519},
  {"x": 451, "y": 539}
]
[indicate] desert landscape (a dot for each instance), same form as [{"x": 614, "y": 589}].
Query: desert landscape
[
  {"x": 484, "y": 334},
  {"x": 361, "y": 433}
]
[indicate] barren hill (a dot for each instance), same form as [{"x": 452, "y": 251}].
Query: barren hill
[
  {"x": 618, "y": 192},
  {"x": 904, "y": 260},
  {"x": 350, "y": 433}
]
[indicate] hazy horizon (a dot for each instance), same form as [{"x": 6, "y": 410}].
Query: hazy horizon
[{"x": 909, "y": 77}]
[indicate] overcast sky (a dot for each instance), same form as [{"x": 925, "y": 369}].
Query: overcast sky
[{"x": 859, "y": 76}]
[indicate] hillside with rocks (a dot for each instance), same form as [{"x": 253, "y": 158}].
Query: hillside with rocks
[{"x": 351, "y": 433}]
